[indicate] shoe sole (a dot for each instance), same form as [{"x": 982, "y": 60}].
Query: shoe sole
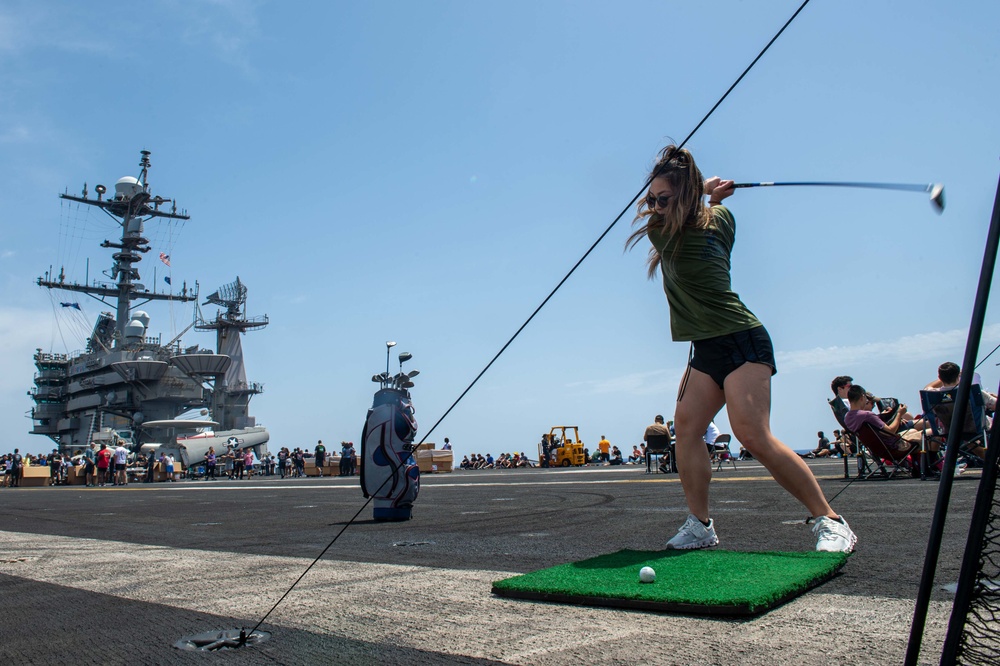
[{"x": 696, "y": 545}]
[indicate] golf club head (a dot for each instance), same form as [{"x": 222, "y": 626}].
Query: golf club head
[
  {"x": 407, "y": 385},
  {"x": 412, "y": 373},
  {"x": 376, "y": 378},
  {"x": 937, "y": 197},
  {"x": 404, "y": 357}
]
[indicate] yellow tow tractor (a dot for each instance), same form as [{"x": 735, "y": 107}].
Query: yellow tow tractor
[{"x": 563, "y": 447}]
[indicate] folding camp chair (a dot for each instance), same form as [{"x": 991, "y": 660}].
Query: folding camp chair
[
  {"x": 721, "y": 452},
  {"x": 660, "y": 445},
  {"x": 887, "y": 459},
  {"x": 864, "y": 466},
  {"x": 938, "y": 408}
]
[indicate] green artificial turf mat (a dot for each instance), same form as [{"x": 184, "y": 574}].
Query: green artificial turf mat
[{"x": 698, "y": 582}]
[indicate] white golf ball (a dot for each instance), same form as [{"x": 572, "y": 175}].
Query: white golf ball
[{"x": 647, "y": 575}]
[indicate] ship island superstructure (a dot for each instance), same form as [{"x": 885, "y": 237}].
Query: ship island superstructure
[{"x": 132, "y": 384}]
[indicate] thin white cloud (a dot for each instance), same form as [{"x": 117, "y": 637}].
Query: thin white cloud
[
  {"x": 36, "y": 27},
  {"x": 6, "y": 254},
  {"x": 9, "y": 37},
  {"x": 15, "y": 134},
  {"x": 918, "y": 347},
  {"x": 22, "y": 331},
  {"x": 932, "y": 346},
  {"x": 228, "y": 27},
  {"x": 638, "y": 383}
]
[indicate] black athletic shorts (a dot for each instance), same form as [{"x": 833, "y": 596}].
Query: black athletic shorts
[{"x": 717, "y": 357}]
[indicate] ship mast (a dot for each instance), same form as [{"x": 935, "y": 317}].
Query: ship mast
[
  {"x": 131, "y": 206},
  {"x": 231, "y": 398}
]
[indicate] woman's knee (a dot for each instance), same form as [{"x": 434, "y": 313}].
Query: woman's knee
[
  {"x": 690, "y": 424},
  {"x": 755, "y": 439}
]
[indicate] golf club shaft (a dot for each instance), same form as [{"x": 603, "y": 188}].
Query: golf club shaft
[{"x": 877, "y": 186}]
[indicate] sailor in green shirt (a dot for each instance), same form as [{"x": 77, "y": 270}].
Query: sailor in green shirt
[{"x": 732, "y": 359}]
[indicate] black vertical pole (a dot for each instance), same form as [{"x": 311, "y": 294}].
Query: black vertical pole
[
  {"x": 973, "y": 549},
  {"x": 954, "y": 435}
]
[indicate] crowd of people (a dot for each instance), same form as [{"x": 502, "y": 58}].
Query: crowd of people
[
  {"x": 292, "y": 463},
  {"x": 503, "y": 461},
  {"x": 116, "y": 465},
  {"x": 614, "y": 456},
  {"x": 100, "y": 466},
  {"x": 893, "y": 423}
]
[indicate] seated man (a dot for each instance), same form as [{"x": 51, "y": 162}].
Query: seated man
[
  {"x": 658, "y": 431},
  {"x": 822, "y": 449},
  {"x": 949, "y": 375},
  {"x": 842, "y": 442},
  {"x": 840, "y": 386},
  {"x": 887, "y": 407},
  {"x": 861, "y": 412}
]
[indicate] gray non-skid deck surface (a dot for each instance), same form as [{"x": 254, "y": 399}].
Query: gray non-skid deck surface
[{"x": 117, "y": 575}]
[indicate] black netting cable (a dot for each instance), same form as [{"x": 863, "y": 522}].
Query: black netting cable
[{"x": 986, "y": 357}]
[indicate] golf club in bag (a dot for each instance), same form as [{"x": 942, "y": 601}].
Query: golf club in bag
[{"x": 389, "y": 473}]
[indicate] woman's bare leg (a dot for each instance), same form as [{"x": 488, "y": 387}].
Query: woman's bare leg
[
  {"x": 698, "y": 403},
  {"x": 748, "y": 395}
]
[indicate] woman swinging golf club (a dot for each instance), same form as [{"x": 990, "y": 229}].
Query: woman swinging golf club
[{"x": 732, "y": 359}]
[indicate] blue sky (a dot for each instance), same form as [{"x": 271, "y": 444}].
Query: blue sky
[{"x": 426, "y": 172}]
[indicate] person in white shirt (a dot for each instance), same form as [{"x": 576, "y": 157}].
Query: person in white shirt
[
  {"x": 711, "y": 435},
  {"x": 121, "y": 462}
]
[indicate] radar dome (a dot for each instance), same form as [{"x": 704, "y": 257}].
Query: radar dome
[
  {"x": 135, "y": 330},
  {"x": 142, "y": 316},
  {"x": 128, "y": 187}
]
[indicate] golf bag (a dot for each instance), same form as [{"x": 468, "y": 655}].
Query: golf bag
[{"x": 388, "y": 471}]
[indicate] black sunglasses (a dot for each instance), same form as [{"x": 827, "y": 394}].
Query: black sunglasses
[{"x": 660, "y": 201}]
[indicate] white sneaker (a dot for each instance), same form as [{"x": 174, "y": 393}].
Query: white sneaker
[
  {"x": 693, "y": 534},
  {"x": 834, "y": 536},
  {"x": 960, "y": 467}
]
